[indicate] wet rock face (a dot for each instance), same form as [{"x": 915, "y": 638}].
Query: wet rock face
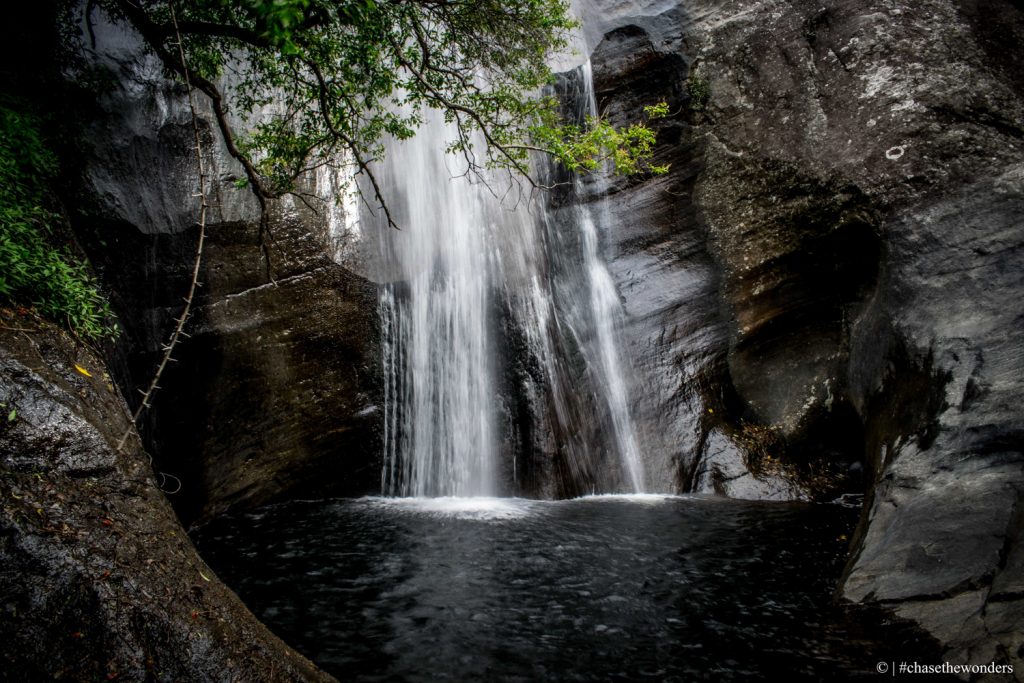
[
  {"x": 655, "y": 244},
  {"x": 852, "y": 190},
  {"x": 100, "y": 581},
  {"x": 799, "y": 255},
  {"x": 738, "y": 280},
  {"x": 277, "y": 391},
  {"x": 944, "y": 533}
]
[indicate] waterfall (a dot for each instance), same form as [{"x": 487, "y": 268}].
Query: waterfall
[
  {"x": 606, "y": 309},
  {"x": 439, "y": 437},
  {"x": 470, "y": 250}
]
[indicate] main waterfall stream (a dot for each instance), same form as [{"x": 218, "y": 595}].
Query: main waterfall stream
[{"x": 477, "y": 259}]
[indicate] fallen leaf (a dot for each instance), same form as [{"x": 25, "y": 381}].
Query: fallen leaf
[
  {"x": 82, "y": 370},
  {"x": 205, "y": 577}
]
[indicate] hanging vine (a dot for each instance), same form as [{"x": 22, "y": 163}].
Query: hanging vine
[{"x": 179, "y": 327}]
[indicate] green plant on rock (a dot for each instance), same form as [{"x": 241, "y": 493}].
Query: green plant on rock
[
  {"x": 595, "y": 143},
  {"x": 36, "y": 267},
  {"x": 628, "y": 150},
  {"x": 699, "y": 91}
]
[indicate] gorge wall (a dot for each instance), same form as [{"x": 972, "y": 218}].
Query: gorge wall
[
  {"x": 278, "y": 390},
  {"x": 822, "y": 297},
  {"x": 829, "y": 283}
]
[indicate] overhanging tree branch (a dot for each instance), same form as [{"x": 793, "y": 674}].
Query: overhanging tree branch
[
  {"x": 155, "y": 39},
  {"x": 325, "y": 110},
  {"x": 205, "y": 28},
  {"x": 349, "y": 75},
  {"x": 454, "y": 106}
]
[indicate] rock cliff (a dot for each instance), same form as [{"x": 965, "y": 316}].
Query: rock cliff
[
  {"x": 829, "y": 284},
  {"x": 277, "y": 392},
  {"x": 100, "y": 580}
]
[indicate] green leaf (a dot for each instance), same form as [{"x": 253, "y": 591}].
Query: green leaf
[
  {"x": 38, "y": 268},
  {"x": 344, "y": 76}
]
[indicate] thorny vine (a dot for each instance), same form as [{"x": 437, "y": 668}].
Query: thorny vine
[{"x": 179, "y": 327}]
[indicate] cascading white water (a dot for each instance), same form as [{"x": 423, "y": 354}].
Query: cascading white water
[
  {"x": 606, "y": 309},
  {"x": 439, "y": 422},
  {"x": 465, "y": 249}
]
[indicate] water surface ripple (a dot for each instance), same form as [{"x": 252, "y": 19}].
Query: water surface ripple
[{"x": 595, "y": 589}]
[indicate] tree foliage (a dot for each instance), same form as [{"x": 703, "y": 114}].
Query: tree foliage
[{"x": 338, "y": 77}]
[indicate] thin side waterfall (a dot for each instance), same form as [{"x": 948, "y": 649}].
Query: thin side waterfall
[
  {"x": 469, "y": 252},
  {"x": 607, "y": 315},
  {"x": 607, "y": 311}
]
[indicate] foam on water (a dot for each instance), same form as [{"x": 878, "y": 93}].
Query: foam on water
[
  {"x": 474, "y": 507},
  {"x": 487, "y": 508},
  {"x": 639, "y": 498}
]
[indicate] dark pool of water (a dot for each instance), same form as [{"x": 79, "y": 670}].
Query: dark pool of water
[{"x": 596, "y": 589}]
